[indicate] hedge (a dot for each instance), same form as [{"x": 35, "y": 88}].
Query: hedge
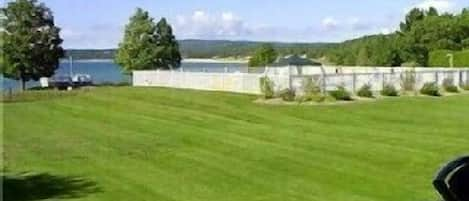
[{"x": 439, "y": 58}]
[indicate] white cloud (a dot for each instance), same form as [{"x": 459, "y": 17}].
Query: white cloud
[
  {"x": 440, "y": 5},
  {"x": 207, "y": 25},
  {"x": 329, "y": 23}
]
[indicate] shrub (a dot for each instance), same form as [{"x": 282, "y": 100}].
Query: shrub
[
  {"x": 312, "y": 92},
  {"x": 448, "y": 85},
  {"x": 287, "y": 94},
  {"x": 365, "y": 91},
  {"x": 389, "y": 90},
  {"x": 439, "y": 58},
  {"x": 410, "y": 64},
  {"x": 464, "y": 86},
  {"x": 267, "y": 87},
  {"x": 311, "y": 88},
  {"x": 408, "y": 80},
  {"x": 341, "y": 94},
  {"x": 431, "y": 89}
]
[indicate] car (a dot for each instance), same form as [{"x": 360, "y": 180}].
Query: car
[
  {"x": 82, "y": 80},
  {"x": 452, "y": 181},
  {"x": 61, "y": 82}
]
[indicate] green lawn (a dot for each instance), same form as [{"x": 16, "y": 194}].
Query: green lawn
[{"x": 167, "y": 144}]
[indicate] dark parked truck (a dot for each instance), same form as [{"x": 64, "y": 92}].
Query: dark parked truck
[
  {"x": 82, "y": 80},
  {"x": 61, "y": 82},
  {"x": 452, "y": 181}
]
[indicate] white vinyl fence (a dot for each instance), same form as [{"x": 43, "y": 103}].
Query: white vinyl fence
[
  {"x": 233, "y": 82},
  {"x": 353, "y": 81},
  {"x": 352, "y": 78}
]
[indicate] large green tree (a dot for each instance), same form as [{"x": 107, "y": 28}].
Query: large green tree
[
  {"x": 263, "y": 56},
  {"x": 413, "y": 16},
  {"x": 168, "y": 56},
  {"x": 363, "y": 58},
  {"x": 31, "y": 41},
  {"x": 139, "y": 48},
  {"x": 147, "y": 45}
]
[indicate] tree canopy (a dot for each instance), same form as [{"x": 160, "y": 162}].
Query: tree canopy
[
  {"x": 421, "y": 32},
  {"x": 147, "y": 45},
  {"x": 31, "y": 41},
  {"x": 263, "y": 56},
  {"x": 138, "y": 50},
  {"x": 168, "y": 55}
]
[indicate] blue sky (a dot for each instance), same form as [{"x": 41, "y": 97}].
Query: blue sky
[{"x": 100, "y": 23}]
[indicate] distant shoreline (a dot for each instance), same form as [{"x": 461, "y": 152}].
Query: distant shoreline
[
  {"x": 188, "y": 60},
  {"x": 221, "y": 60}
]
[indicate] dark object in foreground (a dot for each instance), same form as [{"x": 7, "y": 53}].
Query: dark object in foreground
[
  {"x": 63, "y": 82},
  {"x": 34, "y": 186},
  {"x": 452, "y": 182}
]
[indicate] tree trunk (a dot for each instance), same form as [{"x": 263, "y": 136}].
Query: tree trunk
[{"x": 23, "y": 84}]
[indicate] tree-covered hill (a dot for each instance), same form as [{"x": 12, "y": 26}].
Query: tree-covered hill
[
  {"x": 214, "y": 48},
  {"x": 90, "y": 53}
]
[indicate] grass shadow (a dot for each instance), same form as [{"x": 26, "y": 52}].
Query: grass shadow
[{"x": 31, "y": 187}]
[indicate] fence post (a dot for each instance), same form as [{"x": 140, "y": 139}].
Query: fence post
[
  {"x": 323, "y": 75},
  {"x": 460, "y": 77},
  {"x": 354, "y": 82},
  {"x": 384, "y": 82},
  {"x": 436, "y": 77},
  {"x": 289, "y": 78}
]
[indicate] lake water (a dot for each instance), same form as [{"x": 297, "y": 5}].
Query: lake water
[{"x": 109, "y": 72}]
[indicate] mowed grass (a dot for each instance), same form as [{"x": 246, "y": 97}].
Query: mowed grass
[{"x": 168, "y": 144}]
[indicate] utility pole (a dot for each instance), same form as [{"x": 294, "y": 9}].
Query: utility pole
[{"x": 71, "y": 66}]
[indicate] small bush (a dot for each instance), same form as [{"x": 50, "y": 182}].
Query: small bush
[
  {"x": 465, "y": 86},
  {"x": 431, "y": 89},
  {"x": 301, "y": 99},
  {"x": 365, "y": 91},
  {"x": 448, "y": 85},
  {"x": 267, "y": 87},
  {"x": 389, "y": 90},
  {"x": 408, "y": 80},
  {"x": 341, "y": 94},
  {"x": 287, "y": 94},
  {"x": 311, "y": 88}
]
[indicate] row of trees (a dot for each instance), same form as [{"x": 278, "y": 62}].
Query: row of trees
[
  {"x": 422, "y": 32},
  {"x": 31, "y": 46}
]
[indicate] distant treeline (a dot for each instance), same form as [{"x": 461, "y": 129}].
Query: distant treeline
[
  {"x": 220, "y": 48},
  {"x": 90, "y": 54},
  {"x": 216, "y": 48}
]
